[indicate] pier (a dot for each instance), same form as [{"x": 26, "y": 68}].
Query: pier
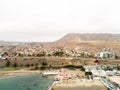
[
  {"x": 50, "y": 88},
  {"x": 109, "y": 85}
]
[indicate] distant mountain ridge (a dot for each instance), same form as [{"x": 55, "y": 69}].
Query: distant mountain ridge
[{"x": 76, "y": 37}]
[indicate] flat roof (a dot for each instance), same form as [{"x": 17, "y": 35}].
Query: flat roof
[{"x": 50, "y": 73}]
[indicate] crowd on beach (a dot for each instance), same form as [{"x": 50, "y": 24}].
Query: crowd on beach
[{"x": 67, "y": 75}]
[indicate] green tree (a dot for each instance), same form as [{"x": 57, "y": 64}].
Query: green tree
[
  {"x": 15, "y": 65},
  {"x": 43, "y": 67},
  {"x": 32, "y": 64},
  {"x": 36, "y": 66},
  {"x": 20, "y": 55},
  {"x": 7, "y": 63},
  {"x": 44, "y": 63},
  {"x": 27, "y": 65},
  {"x": 118, "y": 67},
  {"x": 58, "y": 53}
]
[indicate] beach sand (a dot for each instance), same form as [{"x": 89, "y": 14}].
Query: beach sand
[
  {"x": 9, "y": 74},
  {"x": 84, "y": 84},
  {"x": 81, "y": 88}
]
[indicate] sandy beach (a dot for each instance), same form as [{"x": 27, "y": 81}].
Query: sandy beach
[
  {"x": 8, "y": 74},
  {"x": 80, "y": 88},
  {"x": 78, "y": 84}
]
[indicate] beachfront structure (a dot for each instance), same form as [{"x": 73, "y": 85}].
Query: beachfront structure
[
  {"x": 98, "y": 73},
  {"x": 106, "y": 55},
  {"x": 111, "y": 73},
  {"x": 49, "y": 73},
  {"x": 118, "y": 73}
]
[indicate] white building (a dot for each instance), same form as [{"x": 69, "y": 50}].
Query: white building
[
  {"x": 99, "y": 73},
  {"x": 106, "y": 55}
]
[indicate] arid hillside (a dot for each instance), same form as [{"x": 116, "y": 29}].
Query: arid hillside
[
  {"x": 89, "y": 42},
  {"x": 91, "y": 37}
]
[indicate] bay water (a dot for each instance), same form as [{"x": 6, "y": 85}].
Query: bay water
[{"x": 31, "y": 82}]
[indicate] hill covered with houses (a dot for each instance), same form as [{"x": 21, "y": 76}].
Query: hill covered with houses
[{"x": 72, "y": 45}]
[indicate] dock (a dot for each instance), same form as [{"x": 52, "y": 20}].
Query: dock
[
  {"x": 50, "y": 87},
  {"x": 109, "y": 85}
]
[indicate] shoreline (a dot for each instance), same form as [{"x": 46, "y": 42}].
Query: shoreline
[
  {"x": 70, "y": 84},
  {"x": 9, "y": 74}
]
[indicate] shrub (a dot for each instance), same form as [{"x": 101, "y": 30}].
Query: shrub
[
  {"x": 88, "y": 73},
  {"x": 27, "y": 65},
  {"x": 118, "y": 67},
  {"x": 56, "y": 67},
  {"x": 43, "y": 67},
  {"x": 58, "y": 53},
  {"x": 32, "y": 64},
  {"x": 7, "y": 63},
  {"x": 72, "y": 67},
  {"x": 44, "y": 63},
  {"x": 15, "y": 65}
]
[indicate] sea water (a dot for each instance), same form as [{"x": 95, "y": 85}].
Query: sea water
[{"x": 33, "y": 82}]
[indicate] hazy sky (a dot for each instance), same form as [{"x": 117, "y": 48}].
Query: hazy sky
[{"x": 48, "y": 20}]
